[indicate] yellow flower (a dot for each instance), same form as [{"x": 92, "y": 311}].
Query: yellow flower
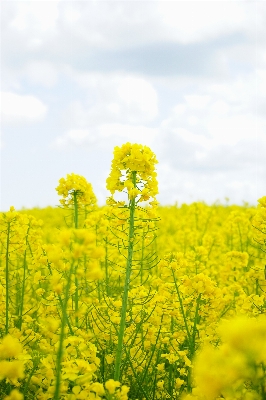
[
  {"x": 135, "y": 158},
  {"x": 160, "y": 384},
  {"x": 112, "y": 385},
  {"x": 178, "y": 383},
  {"x": 12, "y": 370},
  {"x": 76, "y": 389},
  {"x": 133, "y": 193},
  {"x": 10, "y": 347},
  {"x": 109, "y": 359},
  {"x": 97, "y": 388},
  {"x": 160, "y": 367},
  {"x": 14, "y": 395},
  {"x": 76, "y": 186}
]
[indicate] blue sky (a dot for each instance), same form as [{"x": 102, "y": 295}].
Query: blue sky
[{"x": 187, "y": 78}]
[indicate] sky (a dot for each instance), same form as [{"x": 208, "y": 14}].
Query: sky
[{"x": 186, "y": 78}]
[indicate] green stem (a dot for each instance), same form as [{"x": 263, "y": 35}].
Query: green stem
[
  {"x": 75, "y": 194},
  {"x": 76, "y": 301},
  {"x": 62, "y": 306},
  {"x": 76, "y": 279},
  {"x": 106, "y": 268},
  {"x": 146, "y": 370},
  {"x": 67, "y": 319},
  {"x": 25, "y": 389},
  {"x": 182, "y": 311},
  {"x": 23, "y": 282},
  {"x": 7, "y": 276},
  {"x": 240, "y": 237},
  {"x": 61, "y": 338},
  {"x": 141, "y": 261},
  {"x": 126, "y": 285},
  {"x": 195, "y": 325},
  {"x": 193, "y": 342}
]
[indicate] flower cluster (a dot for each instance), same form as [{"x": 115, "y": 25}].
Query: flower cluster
[
  {"x": 75, "y": 188},
  {"x": 188, "y": 275},
  {"x": 138, "y": 159},
  {"x": 12, "y": 365},
  {"x": 259, "y": 222},
  {"x": 235, "y": 369}
]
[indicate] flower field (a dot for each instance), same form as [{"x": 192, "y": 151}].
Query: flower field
[{"x": 132, "y": 300}]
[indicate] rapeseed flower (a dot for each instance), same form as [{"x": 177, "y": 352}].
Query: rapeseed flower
[
  {"x": 14, "y": 395},
  {"x": 76, "y": 186},
  {"x": 138, "y": 159},
  {"x": 191, "y": 273}
]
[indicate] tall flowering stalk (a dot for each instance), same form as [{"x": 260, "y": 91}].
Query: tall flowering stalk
[
  {"x": 259, "y": 223},
  {"x": 77, "y": 195},
  {"x": 132, "y": 172},
  {"x": 13, "y": 230}
]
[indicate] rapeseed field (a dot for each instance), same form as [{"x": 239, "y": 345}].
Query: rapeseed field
[{"x": 132, "y": 300}]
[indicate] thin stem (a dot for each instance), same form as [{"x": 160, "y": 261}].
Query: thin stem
[
  {"x": 23, "y": 282},
  {"x": 76, "y": 279},
  {"x": 62, "y": 306},
  {"x": 67, "y": 319},
  {"x": 141, "y": 261},
  {"x": 240, "y": 237},
  {"x": 7, "y": 276},
  {"x": 75, "y": 195},
  {"x": 193, "y": 342},
  {"x": 195, "y": 325},
  {"x": 76, "y": 301},
  {"x": 126, "y": 285},
  {"x": 106, "y": 268},
  {"x": 182, "y": 311},
  {"x": 61, "y": 338}
]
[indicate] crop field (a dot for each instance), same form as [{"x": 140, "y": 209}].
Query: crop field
[{"x": 132, "y": 300}]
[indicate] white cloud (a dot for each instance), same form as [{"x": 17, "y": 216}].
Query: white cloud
[
  {"x": 233, "y": 129},
  {"x": 139, "y": 97},
  {"x": 193, "y": 22},
  {"x": 74, "y": 137},
  {"x": 204, "y": 117},
  {"x": 101, "y": 134},
  {"x": 125, "y": 25},
  {"x": 222, "y": 113},
  {"x": 235, "y": 91},
  {"x": 179, "y": 109},
  {"x": 193, "y": 138},
  {"x": 21, "y": 108},
  {"x": 187, "y": 187},
  {"x": 193, "y": 120},
  {"x": 71, "y": 14},
  {"x": 139, "y": 134},
  {"x": 106, "y": 24},
  {"x": 220, "y": 107},
  {"x": 197, "y": 102},
  {"x": 35, "y": 16},
  {"x": 42, "y": 73},
  {"x": 121, "y": 98},
  {"x": 261, "y": 80},
  {"x": 216, "y": 146}
]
